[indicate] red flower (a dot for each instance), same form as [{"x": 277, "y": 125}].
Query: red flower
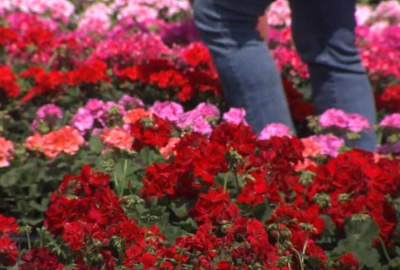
[
  {"x": 349, "y": 260},
  {"x": 311, "y": 217},
  {"x": 8, "y": 251},
  {"x": 215, "y": 206},
  {"x": 391, "y": 98},
  {"x": 7, "y": 225},
  {"x": 40, "y": 258},
  {"x": 8, "y": 82},
  {"x": 7, "y": 36}
]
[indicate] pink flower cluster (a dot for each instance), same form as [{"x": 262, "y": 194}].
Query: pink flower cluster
[
  {"x": 335, "y": 118},
  {"x": 47, "y": 114},
  {"x": 66, "y": 140},
  {"x": 6, "y": 152},
  {"x": 58, "y": 9},
  {"x": 391, "y": 121}
]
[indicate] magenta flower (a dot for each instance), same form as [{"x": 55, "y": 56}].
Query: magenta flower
[
  {"x": 333, "y": 118},
  {"x": 357, "y": 123},
  {"x": 95, "y": 107},
  {"x": 391, "y": 121},
  {"x": 274, "y": 130},
  {"x": 48, "y": 114},
  {"x": 130, "y": 103},
  {"x": 82, "y": 120}
]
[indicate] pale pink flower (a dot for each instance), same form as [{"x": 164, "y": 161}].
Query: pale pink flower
[
  {"x": 235, "y": 116},
  {"x": 363, "y": 14},
  {"x": 279, "y": 13}
]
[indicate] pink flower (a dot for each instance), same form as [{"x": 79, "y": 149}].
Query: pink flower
[
  {"x": 279, "y": 13},
  {"x": 235, "y": 116},
  {"x": 274, "y": 130},
  {"x": 129, "y": 102},
  {"x": 357, "y": 123},
  {"x": 388, "y": 10},
  {"x": 363, "y": 14},
  {"x": 118, "y": 138},
  {"x": 82, "y": 120},
  {"x": 95, "y": 107},
  {"x": 329, "y": 144},
  {"x": 167, "y": 110},
  {"x": 200, "y": 125},
  {"x": 207, "y": 110},
  {"x": 195, "y": 121},
  {"x": 48, "y": 114},
  {"x": 391, "y": 121},
  {"x": 168, "y": 149},
  {"x": 333, "y": 118},
  {"x": 6, "y": 152}
]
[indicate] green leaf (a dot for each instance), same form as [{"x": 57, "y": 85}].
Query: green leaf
[
  {"x": 262, "y": 211},
  {"x": 96, "y": 145},
  {"x": 179, "y": 209},
  {"x": 171, "y": 232},
  {"x": 359, "y": 242},
  {"x": 149, "y": 156},
  {"x": 189, "y": 225},
  {"x": 9, "y": 179}
]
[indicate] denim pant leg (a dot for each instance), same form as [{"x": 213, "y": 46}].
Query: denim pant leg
[
  {"x": 246, "y": 69},
  {"x": 323, "y": 32}
]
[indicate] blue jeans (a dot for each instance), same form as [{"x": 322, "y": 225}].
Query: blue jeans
[{"x": 323, "y": 32}]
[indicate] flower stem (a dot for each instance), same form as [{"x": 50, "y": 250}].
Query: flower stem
[
  {"x": 305, "y": 247},
  {"x": 124, "y": 178},
  {"x": 115, "y": 179},
  {"x": 300, "y": 260},
  {"x": 384, "y": 249},
  {"x": 179, "y": 260},
  {"x": 29, "y": 239}
]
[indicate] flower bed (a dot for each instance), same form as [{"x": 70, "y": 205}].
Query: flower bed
[{"x": 117, "y": 150}]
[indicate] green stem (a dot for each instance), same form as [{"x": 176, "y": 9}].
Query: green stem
[
  {"x": 299, "y": 255},
  {"x": 124, "y": 178},
  {"x": 225, "y": 181},
  {"x": 305, "y": 247},
  {"x": 380, "y": 136},
  {"x": 179, "y": 260},
  {"x": 115, "y": 178},
  {"x": 52, "y": 59},
  {"x": 29, "y": 240},
  {"x": 384, "y": 249}
]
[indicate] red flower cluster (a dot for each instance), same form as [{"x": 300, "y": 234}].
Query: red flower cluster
[
  {"x": 355, "y": 184},
  {"x": 8, "y": 249},
  {"x": 391, "y": 98},
  {"x": 7, "y": 36},
  {"x": 52, "y": 82},
  {"x": 299, "y": 108},
  {"x": 199, "y": 76},
  {"x": 8, "y": 82},
  {"x": 153, "y": 132}
]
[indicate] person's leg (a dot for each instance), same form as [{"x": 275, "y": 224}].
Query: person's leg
[
  {"x": 246, "y": 69},
  {"x": 323, "y": 32}
]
